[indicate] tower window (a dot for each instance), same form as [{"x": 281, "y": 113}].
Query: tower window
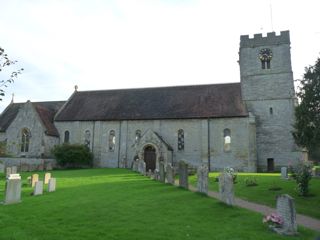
[
  {"x": 112, "y": 140},
  {"x": 227, "y": 140},
  {"x": 265, "y": 56},
  {"x": 180, "y": 140}
]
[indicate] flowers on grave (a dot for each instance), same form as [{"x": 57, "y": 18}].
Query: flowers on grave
[
  {"x": 273, "y": 220},
  {"x": 231, "y": 172}
]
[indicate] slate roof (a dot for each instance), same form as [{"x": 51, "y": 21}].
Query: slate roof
[
  {"x": 181, "y": 102},
  {"x": 45, "y": 110}
]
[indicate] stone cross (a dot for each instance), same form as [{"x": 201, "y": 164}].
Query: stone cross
[
  {"x": 162, "y": 173},
  {"x": 38, "y": 188},
  {"x": 203, "y": 178},
  {"x": 226, "y": 188},
  {"x": 8, "y": 171},
  {"x": 183, "y": 175},
  {"x": 14, "y": 169},
  {"x": 52, "y": 185},
  {"x": 13, "y": 191},
  {"x": 170, "y": 174},
  {"x": 34, "y": 179},
  {"x": 286, "y": 209},
  {"x": 47, "y": 176},
  {"x": 284, "y": 173}
]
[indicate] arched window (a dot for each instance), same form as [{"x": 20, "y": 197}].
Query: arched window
[
  {"x": 227, "y": 140},
  {"x": 66, "y": 136},
  {"x": 112, "y": 140},
  {"x": 265, "y": 56},
  {"x": 180, "y": 140},
  {"x": 25, "y": 139},
  {"x": 138, "y": 136},
  {"x": 87, "y": 136}
]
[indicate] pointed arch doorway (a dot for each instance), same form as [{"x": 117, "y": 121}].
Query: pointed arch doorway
[{"x": 150, "y": 157}]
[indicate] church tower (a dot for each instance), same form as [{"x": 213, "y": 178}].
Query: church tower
[{"x": 268, "y": 91}]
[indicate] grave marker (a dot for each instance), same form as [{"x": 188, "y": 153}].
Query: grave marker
[
  {"x": 34, "y": 179},
  {"x": 284, "y": 172},
  {"x": 286, "y": 209},
  {"x": 170, "y": 174},
  {"x": 52, "y": 185},
  {"x": 13, "y": 191},
  {"x": 226, "y": 188},
  {"x": 38, "y": 188},
  {"x": 47, "y": 176},
  {"x": 203, "y": 177},
  {"x": 183, "y": 175},
  {"x": 162, "y": 173}
]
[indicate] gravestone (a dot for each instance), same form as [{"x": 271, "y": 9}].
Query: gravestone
[
  {"x": 183, "y": 175},
  {"x": 226, "y": 188},
  {"x": 142, "y": 167},
  {"x": 14, "y": 176},
  {"x": 203, "y": 177},
  {"x": 286, "y": 209},
  {"x": 2, "y": 167},
  {"x": 47, "y": 176},
  {"x": 156, "y": 175},
  {"x": 170, "y": 174},
  {"x": 14, "y": 169},
  {"x": 48, "y": 166},
  {"x": 13, "y": 191},
  {"x": 162, "y": 173},
  {"x": 38, "y": 188},
  {"x": 8, "y": 171},
  {"x": 284, "y": 172},
  {"x": 52, "y": 185},
  {"x": 34, "y": 179}
]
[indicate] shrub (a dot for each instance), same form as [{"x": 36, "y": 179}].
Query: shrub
[
  {"x": 303, "y": 174},
  {"x": 251, "y": 182},
  {"x": 73, "y": 155}
]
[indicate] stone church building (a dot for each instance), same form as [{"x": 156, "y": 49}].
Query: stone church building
[{"x": 245, "y": 125}]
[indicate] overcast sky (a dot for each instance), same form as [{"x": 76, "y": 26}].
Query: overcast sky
[{"x": 100, "y": 44}]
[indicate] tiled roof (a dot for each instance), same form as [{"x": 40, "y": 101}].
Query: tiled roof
[{"x": 181, "y": 102}]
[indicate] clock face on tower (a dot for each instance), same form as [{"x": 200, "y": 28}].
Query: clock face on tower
[{"x": 265, "y": 54}]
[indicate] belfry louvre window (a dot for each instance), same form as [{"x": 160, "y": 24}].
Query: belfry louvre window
[
  {"x": 180, "y": 140},
  {"x": 112, "y": 140},
  {"x": 227, "y": 140},
  {"x": 25, "y": 139}
]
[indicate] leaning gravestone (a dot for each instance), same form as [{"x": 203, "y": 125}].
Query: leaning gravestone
[
  {"x": 47, "y": 176},
  {"x": 162, "y": 173},
  {"x": 284, "y": 173},
  {"x": 203, "y": 177},
  {"x": 13, "y": 191},
  {"x": 170, "y": 174},
  {"x": 14, "y": 169},
  {"x": 52, "y": 185},
  {"x": 183, "y": 175},
  {"x": 226, "y": 188},
  {"x": 38, "y": 188},
  {"x": 286, "y": 209},
  {"x": 34, "y": 179}
]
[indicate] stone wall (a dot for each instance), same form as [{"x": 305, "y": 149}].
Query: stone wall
[{"x": 36, "y": 162}]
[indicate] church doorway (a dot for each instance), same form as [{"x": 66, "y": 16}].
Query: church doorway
[
  {"x": 150, "y": 158},
  {"x": 270, "y": 166}
]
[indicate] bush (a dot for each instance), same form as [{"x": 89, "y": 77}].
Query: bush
[
  {"x": 73, "y": 155},
  {"x": 303, "y": 175},
  {"x": 251, "y": 182}
]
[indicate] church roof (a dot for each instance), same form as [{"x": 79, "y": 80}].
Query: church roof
[
  {"x": 181, "y": 102},
  {"x": 45, "y": 110}
]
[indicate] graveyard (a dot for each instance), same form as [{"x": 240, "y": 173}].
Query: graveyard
[{"x": 123, "y": 204}]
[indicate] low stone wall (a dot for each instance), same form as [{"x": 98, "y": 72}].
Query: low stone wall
[{"x": 29, "y": 164}]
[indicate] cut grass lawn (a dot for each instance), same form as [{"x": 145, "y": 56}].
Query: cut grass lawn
[
  {"x": 120, "y": 204},
  {"x": 309, "y": 205}
]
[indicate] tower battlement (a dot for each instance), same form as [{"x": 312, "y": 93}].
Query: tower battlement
[{"x": 270, "y": 39}]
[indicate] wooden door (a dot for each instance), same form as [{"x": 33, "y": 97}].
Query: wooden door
[{"x": 150, "y": 158}]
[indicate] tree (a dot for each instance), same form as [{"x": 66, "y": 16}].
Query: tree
[
  {"x": 307, "y": 125},
  {"x": 6, "y": 62}
]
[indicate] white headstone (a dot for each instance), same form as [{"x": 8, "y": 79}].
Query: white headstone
[
  {"x": 286, "y": 209},
  {"x": 38, "y": 188},
  {"x": 284, "y": 173},
  {"x": 47, "y": 176},
  {"x": 52, "y": 185},
  {"x": 226, "y": 188},
  {"x": 14, "y": 176},
  {"x": 13, "y": 191},
  {"x": 34, "y": 179}
]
